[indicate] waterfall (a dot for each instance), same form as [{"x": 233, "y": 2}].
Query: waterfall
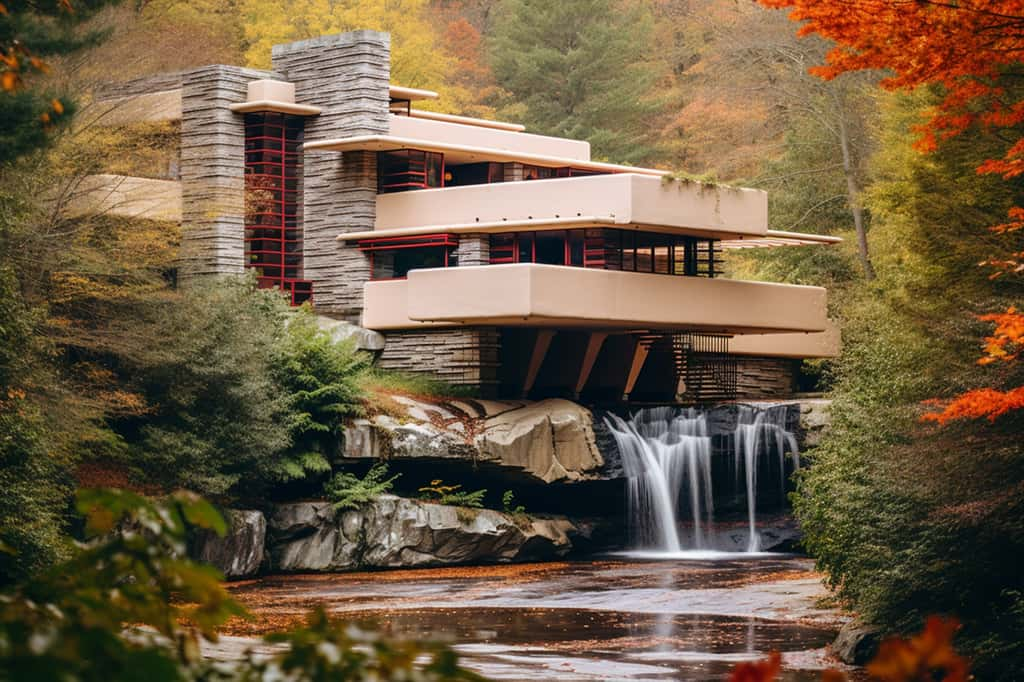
[{"x": 667, "y": 458}]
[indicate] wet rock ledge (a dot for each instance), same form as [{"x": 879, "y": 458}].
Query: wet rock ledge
[{"x": 390, "y": 532}]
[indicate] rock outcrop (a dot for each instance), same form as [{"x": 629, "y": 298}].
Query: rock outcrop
[
  {"x": 239, "y": 553},
  {"x": 815, "y": 418},
  {"x": 394, "y": 532},
  {"x": 547, "y": 442},
  {"x": 857, "y": 642}
]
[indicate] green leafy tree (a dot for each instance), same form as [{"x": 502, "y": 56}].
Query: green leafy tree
[
  {"x": 30, "y": 33},
  {"x": 582, "y": 70},
  {"x": 217, "y": 417},
  {"x": 323, "y": 382},
  {"x": 879, "y": 507},
  {"x": 35, "y": 483}
]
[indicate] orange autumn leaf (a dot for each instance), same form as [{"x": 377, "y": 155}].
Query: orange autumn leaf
[
  {"x": 766, "y": 670},
  {"x": 1007, "y": 340},
  {"x": 981, "y": 402},
  {"x": 964, "y": 47},
  {"x": 927, "y": 657}
]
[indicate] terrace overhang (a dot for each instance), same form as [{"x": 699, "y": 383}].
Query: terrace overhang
[
  {"x": 468, "y": 153},
  {"x": 533, "y": 295},
  {"x": 625, "y": 200}
]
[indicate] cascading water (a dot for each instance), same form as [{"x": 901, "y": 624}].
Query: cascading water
[
  {"x": 663, "y": 448},
  {"x": 667, "y": 451}
]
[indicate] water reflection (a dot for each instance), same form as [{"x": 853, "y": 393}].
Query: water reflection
[{"x": 597, "y": 620}]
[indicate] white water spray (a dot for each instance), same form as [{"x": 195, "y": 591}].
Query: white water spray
[{"x": 666, "y": 450}]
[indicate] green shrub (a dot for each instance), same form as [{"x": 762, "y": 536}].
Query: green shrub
[
  {"x": 323, "y": 381},
  {"x": 439, "y": 493},
  {"x": 218, "y": 421},
  {"x": 35, "y": 481},
  {"x": 348, "y": 491}
]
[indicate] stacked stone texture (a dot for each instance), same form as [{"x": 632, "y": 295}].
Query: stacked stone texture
[
  {"x": 512, "y": 172},
  {"x": 761, "y": 378},
  {"x": 347, "y": 76},
  {"x": 474, "y": 249},
  {"x": 465, "y": 357},
  {"x": 213, "y": 170}
]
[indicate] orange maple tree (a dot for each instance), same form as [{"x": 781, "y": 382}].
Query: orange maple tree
[{"x": 971, "y": 48}]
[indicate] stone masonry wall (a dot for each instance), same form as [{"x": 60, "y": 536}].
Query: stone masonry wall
[
  {"x": 213, "y": 171},
  {"x": 347, "y": 75},
  {"x": 762, "y": 378},
  {"x": 474, "y": 249},
  {"x": 465, "y": 357}
]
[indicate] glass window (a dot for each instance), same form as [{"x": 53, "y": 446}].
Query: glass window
[
  {"x": 628, "y": 250},
  {"x": 576, "y": 247},
  {"x": 644, "y": 252},
  {"x": 662, "y": 253},
  {"x": 409, "y": 169},
  {"x": 525, "y": 247},
  {"x": 550, "y": 247},
  {"x": 503, "y": 248}
]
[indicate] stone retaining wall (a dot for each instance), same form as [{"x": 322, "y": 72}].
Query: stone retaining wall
[{"x": 464, "y": 357}]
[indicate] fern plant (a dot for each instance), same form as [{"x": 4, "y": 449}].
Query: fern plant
[
  {"x": 348, "y": 491},
  {"x": 440, "y": 493},
  {"x": 322, "y": 380},
  {"x": 509, "y": 506}
]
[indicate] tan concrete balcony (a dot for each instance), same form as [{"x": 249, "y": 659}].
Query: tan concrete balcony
[
  {"x": 462, "y": 135},
  {"x": 533, "y": 295},
  {"x": 127, "y": 196},
  {"x": 826, "y": 344},
  {"x": 624, "y": 199}
]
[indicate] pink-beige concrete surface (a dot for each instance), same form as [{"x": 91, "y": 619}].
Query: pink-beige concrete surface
[
  {"x": 626, "y": 199},
  {"x": 475, "y": 136},
  {"x": 826, "y": 344},
  {"x": 527, "y": 294}
]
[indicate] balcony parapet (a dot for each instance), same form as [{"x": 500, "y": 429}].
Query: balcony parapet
[
  {"x": 566, "y": 297},
  {"x": 624, "y": 199}
]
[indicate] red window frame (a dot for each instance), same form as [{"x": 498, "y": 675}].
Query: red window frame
[
  {"x": 442, "y": 240},
  {"x": 273, "y": 233}
]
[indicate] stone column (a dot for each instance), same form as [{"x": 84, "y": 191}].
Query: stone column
[
  {"x": 213, "y": 171},
  {"x": 347, "y": 76},
  {"x": 474, "y": 249}
]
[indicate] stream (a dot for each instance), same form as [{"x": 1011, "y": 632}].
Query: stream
[{"x": 617, "y": 618}]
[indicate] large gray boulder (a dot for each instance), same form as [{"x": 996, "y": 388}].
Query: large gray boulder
[
  {"x": 395, "y": 532},
  {"x": 240, "y": 552},
  {"x": 544, "y": 442},
  {"x": 857, "y": 642}
]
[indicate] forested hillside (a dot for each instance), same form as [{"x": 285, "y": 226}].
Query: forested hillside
[{"x": 110, "y": 374}]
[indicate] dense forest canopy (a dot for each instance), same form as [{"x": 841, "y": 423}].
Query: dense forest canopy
[{"x": 897, "y": 126}]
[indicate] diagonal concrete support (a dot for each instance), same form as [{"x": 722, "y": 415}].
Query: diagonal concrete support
[
  {"x": 540, "y": 350},
  {"x": 594, "y": 343},
  {"x": 639, "y": 358}
]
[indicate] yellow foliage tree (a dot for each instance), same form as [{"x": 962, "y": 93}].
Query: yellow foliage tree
[{"x": 418, "y": 59}]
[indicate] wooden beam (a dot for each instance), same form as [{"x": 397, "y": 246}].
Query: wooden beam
[
  {"x": 540, "y": 349},
  {"x": 594, "y": 343},
  {"x": 639, "y": 358}
]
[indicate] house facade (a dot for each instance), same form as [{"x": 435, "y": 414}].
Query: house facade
[{"x": 485, "y": 255}]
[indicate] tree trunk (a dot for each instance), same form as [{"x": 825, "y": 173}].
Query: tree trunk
[{"x": 853, "y": 197}]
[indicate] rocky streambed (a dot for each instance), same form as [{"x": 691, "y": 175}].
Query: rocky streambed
[{"x": 608, "y": 619}]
